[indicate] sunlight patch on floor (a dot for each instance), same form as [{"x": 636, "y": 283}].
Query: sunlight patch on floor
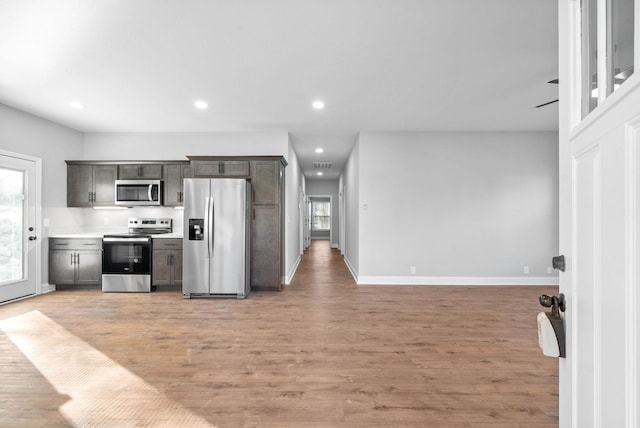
[{"x": 101, "y": 392}]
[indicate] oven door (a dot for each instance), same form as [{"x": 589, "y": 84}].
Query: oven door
[{"x": 129, "y": 256}]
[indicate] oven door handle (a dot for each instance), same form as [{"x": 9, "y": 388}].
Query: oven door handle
[{"x": 126, "y": 240}]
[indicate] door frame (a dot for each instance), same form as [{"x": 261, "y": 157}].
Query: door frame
[
  {"x": 37, "y": 202},
  {"x": 310, "y": 197}
]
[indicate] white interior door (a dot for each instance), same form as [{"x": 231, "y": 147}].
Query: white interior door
[
  {"x": 19, "y": 247},
  {"x": 599, "y": 216}
]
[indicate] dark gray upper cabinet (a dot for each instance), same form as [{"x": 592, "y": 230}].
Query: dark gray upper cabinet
[
  {"x": 173, "y": 176},
  {"x": 220, "y": 168},
  {"x": 91, "y": 185},
  {"x": 140, "y": 171},
  {"x": 266, "y": 180}
]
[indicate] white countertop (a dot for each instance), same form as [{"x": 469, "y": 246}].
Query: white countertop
[
  {"x": 98, "y": 235},
  {"x": 168, "y": 235},
  {"x": 83, "y": 235}
]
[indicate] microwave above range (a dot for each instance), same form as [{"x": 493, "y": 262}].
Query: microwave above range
[{"x": 131, "y": 193}]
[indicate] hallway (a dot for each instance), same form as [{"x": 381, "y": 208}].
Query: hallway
[{"x": 324, "y": 352}]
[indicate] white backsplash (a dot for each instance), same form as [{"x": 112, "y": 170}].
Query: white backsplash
[{"x": 115, "y": 221}]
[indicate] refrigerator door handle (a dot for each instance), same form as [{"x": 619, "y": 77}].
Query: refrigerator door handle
[
  {"x": 206, "y": 226},
  {"x": 212, "y": 219}
]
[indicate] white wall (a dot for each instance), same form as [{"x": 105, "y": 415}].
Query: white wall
[
  {"x": 294, "y": 180},
  {"x": 350, "y": 182},
  {"x": 328, "y": 188},
  {"x": 26, "y": 134},
  {"x": 460, "y": 207},
  {"x": 175, "y": 146}
]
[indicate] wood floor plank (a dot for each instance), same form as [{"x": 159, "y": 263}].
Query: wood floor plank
[{"x": 324, "y": 352}]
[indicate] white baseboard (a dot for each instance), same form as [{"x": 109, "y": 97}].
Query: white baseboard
[
  {"x": 289, "y": 277},
  {"x": 334, "y": 245},
  {"x": 47, "y": 288},
  {"x": 457, "y": 280},
  {"x": 353, "y": 270}
]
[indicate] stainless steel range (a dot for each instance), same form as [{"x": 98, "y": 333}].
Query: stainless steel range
[{"x": 126, "y": 257}]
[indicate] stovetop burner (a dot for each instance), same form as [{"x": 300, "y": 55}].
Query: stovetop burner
[{"x": 144, "y": 228}]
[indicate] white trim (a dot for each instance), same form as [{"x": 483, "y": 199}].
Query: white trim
[
  {"x": 47, "y": 288},
  {"x": 292, "y": 271},
  {"x": 597, "y": 287},
  {"x": 457, "y": 280},
  {"x": 334, "y": 246},
  {"x": 352, "y": 270},
  {"x": 631, "y": 275},
  {"x": 309, "y": 197}
]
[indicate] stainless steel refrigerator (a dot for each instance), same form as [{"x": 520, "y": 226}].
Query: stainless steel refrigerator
[{"x": 217, "y": 231}]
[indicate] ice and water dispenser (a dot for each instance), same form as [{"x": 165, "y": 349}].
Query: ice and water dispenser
[{"x": 196, "y": 229}]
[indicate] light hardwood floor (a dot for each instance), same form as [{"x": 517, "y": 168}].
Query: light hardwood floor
[{"x": 323, "y": 353}]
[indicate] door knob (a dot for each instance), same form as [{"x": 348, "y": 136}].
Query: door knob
[
  {"x": 33, "y": 238},
  {"x": 556, "y": 303},
  {"x": 558, "y": 262}
]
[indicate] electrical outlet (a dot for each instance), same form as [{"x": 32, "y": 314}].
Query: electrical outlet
[
  {"x": 106, "y": 221},
  {"x": 549, "y": 269},
  {"x": 413, "y": 270},
  {"x": 526, "y": 270},
  {"x": 45, "y": 222}
]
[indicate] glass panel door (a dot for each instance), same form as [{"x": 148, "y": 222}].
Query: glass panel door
[
  {"x": 19, "y": 243},
  {"x": 11, "y": 225},
  {"x": 589, "y": 9},
  {"x": 620, "y": 44}
]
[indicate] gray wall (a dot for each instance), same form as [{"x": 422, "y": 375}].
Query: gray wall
[
  {"x": 294, "y": 182},
  {"x": 350, "y": 186},
  {"x": 327, "y": 188},
  {"x": 26, "y": 134},
  {"x": 459, "y": 207}
]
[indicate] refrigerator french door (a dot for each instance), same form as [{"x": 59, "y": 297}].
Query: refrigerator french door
[{"x": 217, "y": 230}]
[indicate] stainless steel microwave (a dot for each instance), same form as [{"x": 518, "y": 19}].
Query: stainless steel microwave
[{"x": 138, "y": 192}]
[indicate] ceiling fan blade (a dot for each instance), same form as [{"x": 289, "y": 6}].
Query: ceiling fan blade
[{"x": 546, "y": 104}]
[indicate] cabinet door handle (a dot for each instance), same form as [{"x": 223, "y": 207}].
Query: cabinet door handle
[
  {"x": 71, "y": 258},
  {"x": 168, "y": 259},
  {"x": 77, "y": 259}
]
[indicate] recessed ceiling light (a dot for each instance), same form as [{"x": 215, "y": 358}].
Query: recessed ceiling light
[
  {"x": 319, "y": 150},
  {"x": 76, "y": 105},
  {"x": 319, "y": 173},
  {"x": 318, "y": 105},
  {"x": 201, "y": 104}
]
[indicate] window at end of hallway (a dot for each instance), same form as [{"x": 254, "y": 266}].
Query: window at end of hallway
[{"x": 321, "y": 215}]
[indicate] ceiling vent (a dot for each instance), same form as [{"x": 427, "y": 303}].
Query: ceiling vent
[{"x": 322, "y": 165}]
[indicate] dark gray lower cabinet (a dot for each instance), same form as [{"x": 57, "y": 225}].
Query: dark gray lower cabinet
[
  {"x": 167, "y": 263},
  {"x": 266, "y": 248},
  {"x": 75, "y": 262}
]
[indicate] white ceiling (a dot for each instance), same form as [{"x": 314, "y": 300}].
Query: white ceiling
[{"x": 379, "y": 65}]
